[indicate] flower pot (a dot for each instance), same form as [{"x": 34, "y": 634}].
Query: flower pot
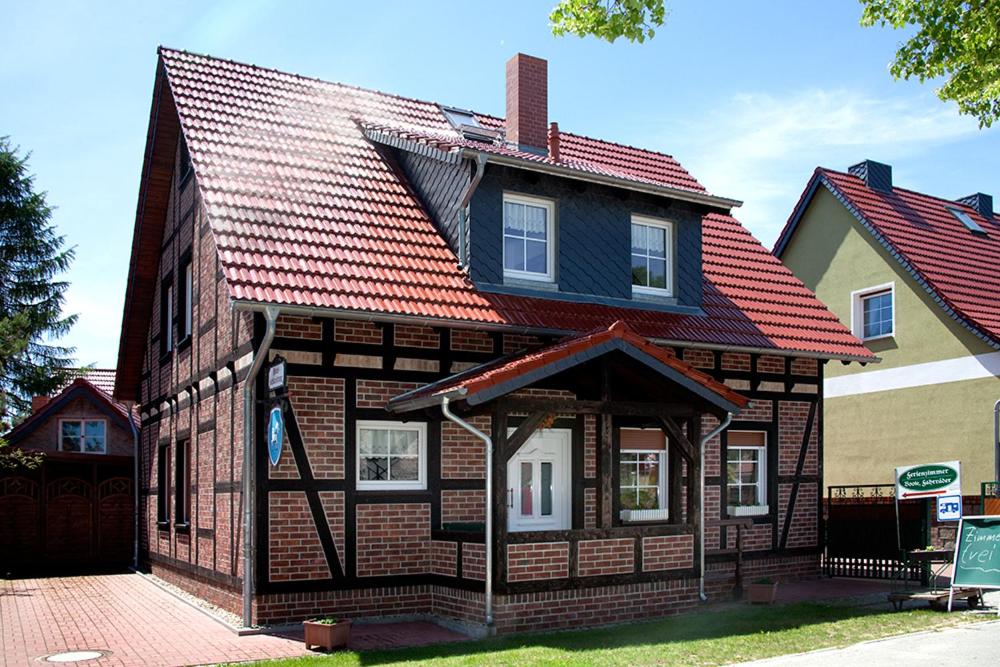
[
  {"x": 326, "y": 635},
  {"x": 762, "y": 593}
]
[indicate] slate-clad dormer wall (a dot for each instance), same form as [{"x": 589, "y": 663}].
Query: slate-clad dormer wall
[
  {"x": 593, "y": 229},
  {"x": 440, "y": 186}
]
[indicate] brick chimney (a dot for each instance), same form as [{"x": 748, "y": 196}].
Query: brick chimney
[
  {"x": 876, "y": 175},
  {"x": 982, "y": 203},
  {"x": 38, "y": 402},
  {"x": 528, "y": 103}
]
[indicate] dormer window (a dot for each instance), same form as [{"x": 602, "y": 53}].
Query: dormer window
[
  {"x": 528, "y": 238},
  {"x": 652, "y": 256}
]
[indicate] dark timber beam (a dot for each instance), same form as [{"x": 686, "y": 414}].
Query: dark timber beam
[
  {"x": 499, "y": 499},
  {"x": 678, "y": 438},
  {"x": 605, "y": 444},
  {"x": 523, "y": 432}
]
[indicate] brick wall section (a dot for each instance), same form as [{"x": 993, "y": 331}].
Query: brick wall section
[
  {"x": 319, "y": 409},
  {"x": 793, "y": 416},
  {"x": 295, "y": 550},
  {"x": 462, "y": 505},
  {"x": 469, "y": 340},
  {"x": 667, "y": 552},
  {"x": 333, "y": 507},
  {"x": 713, "y": 448},
  {"x": 604, "y": 557},
  {"x": 699, "y": 358},
  {"x": 590, "y": 508},
  {"x": 376, "y": 393},
  {"x": 539, "y": 560},
  {"x": 517, "y": 342},
  {"x": 590, "y": 446},
  {"x": 474, "y": 561},
  {"x": 356, "y": 603},
  {"x": 758, "y": 538},
  {"x": 463, "y": 454},
  {"x": 805, "y": 367},
  {"x": 289, "y": 326},
  {"x": 393, "y": 538},
  {"x": 770, "y": 364},
  {"x": 443, "y": 558},
  {"x": 735, "y": 361},
  {"x": 803, "y": 531},
  {"x": 350, "y": 331},
  {"x": 408, "y": 335},
  {"x": 757, "y": 411}
]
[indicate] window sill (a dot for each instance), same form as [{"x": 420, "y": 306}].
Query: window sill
[
  {"x": 644, "y": 515},
  {"x": 163, "y": 525},
  {"x": 523, "y": 280},
  {"x": 182, "y": 528},
  {"x": 747, "y": 510},
  {"x": 653, "y": 294},
  {"x": 872, "y": 339}
]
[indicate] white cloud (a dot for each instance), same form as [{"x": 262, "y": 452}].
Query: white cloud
[{"x": 762, "y": 148}]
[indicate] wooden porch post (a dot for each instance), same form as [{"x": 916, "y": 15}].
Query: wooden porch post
[
  {"x": 605, "y": 447},
  {"x": 499, "y": 499},
  {"x": 694, "y": 490}
]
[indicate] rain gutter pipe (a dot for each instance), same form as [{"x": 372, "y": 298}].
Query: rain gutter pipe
[
  {"x": 701, "y": 494},
  {"x": 463, "y": 207},
  {"x": 488, "y": 595},
  {"x": 135, "y": 485},
  {"x": 271, "y": 320}
]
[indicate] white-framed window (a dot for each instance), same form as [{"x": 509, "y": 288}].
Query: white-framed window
[
  {"x": 746, "y": 472},
  {"x": 528, "y": 238},
  {"x": 539, "y": 475},
  {"x": 642, "y": 475},
  {"x": 652, "y": 256},
  {"x": 391, "y": 455},
  {"x": 88, "y": 436},
  {"x": 873, "y": 312}
]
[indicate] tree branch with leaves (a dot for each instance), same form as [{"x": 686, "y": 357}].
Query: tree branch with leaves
[{"x": 635, "y": 20}]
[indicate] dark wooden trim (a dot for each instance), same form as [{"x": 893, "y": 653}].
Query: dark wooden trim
[
  {"x": 674, "y": 432},
  {"x": 521, "y": 434},
  {"x": 499, "y": 500}
]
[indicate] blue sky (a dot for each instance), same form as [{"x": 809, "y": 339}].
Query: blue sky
[{"x": 750, "y": 97}]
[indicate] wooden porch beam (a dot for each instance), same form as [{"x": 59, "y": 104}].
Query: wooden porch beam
[
  {"x": 523, "y": 432},
  {"x": 678, "y": 438}
]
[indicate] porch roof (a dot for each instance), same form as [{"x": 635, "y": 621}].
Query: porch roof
[{"x": 494, "y": 379}]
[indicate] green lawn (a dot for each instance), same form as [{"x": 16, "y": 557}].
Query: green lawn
[{"x": 725, "y": 635}]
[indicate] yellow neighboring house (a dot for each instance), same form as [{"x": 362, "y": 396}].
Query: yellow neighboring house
[{"x": 917, "y": 278}]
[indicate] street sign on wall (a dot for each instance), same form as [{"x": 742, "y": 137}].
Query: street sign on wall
[
  {"x": 929, "y": 480},
  {"x": 275, "y": 434},
  {"x": 949, "y": 508}
]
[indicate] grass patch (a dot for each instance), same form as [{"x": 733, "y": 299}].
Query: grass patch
[{"x": 718, "y": 637}]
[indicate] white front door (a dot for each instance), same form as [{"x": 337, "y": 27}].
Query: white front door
[{"x": 538, "y": 480}]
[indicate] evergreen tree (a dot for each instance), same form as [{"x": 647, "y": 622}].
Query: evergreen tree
[{"x": 31, "y": 257}]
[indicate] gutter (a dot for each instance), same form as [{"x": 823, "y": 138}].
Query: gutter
[
  {"x": 271, "y": 318},
  {"x": 356, "y": 315},
  {"x": 701, "y": 494},
  {"x": 723, "y": 203},
  {"x": 463, "y": 208},
  {"x": 488, "y": 442}
]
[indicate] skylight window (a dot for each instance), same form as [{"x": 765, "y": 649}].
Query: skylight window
[
  {"x": 969, "y": 223},
  {"x": 465, "y": 123}
]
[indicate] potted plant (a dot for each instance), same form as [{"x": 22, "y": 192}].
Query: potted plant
[
  {"x": 327, "y": 632},
  {"x": 762, "y": 591}
]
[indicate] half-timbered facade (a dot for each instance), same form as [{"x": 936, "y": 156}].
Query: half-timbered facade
[{"x": 533, "y": 379}]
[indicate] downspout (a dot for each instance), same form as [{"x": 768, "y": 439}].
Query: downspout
[
  {"x": 489, "y": 504},
  {"x": 135, "y": 486},
  {"x": 996, "y": 441},
  {"x": 701, "y": 494},
  {"x": 463, "y": 208},
  {"x": 271, "y": 318}
]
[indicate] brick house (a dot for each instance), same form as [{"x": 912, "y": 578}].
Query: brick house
[
  {"x": 435, "y": 280},
  {"x": 74, "y": 512}
]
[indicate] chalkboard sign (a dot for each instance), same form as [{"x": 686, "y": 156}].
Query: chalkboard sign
[{"x": 977, "y": 552}]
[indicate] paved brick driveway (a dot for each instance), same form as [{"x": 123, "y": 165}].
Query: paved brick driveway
[{"x": 140, "y": 624}]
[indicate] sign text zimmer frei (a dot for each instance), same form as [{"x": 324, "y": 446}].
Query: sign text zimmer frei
[{"x": 928, "y": 480}]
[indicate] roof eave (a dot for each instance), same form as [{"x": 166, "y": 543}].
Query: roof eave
[{"x": 721, "y": 203}]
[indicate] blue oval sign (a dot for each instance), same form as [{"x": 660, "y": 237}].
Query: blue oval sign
[{"x": 275, "y": 434}]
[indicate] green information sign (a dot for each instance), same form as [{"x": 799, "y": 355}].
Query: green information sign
[{"x": 977, "y": 553}]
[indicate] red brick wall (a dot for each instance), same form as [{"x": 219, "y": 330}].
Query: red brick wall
[
  {"x": 462, "y": 505},
  {"x": 376, "y": 393},
  {"x": 541, "y": 560},
  {"x": 290, "y": 326},
  {"x": 667, "y": 552},
  {"x": 294, "y": 547},
  {"x": 770, "y": 364},
  {"x": 805, "y": 366},
  {"x": 463, "y": 454},
  {"x": 319, "y": 409},
  {"x": 393, "y": 538},
  {"x": 735, "y": 361},
  {"x": 604, "y": 557},
  {"x": 470, "y": 340},
  {"x": 793, "y": 417},
  {"x": 416, "y": 336},
  {"x": 758, "y": 410},
  {"x": 474, "y": 561},
  {"x": 356, "y": 331},
  {"x": 699, "y": 358},
  {"x": 443, "y": 558}
]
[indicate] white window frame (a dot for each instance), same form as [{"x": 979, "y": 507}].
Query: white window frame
[
  {"x": 858, "y": 309},
  {"x": 761, "y": 506},
  {"x": 661, "y": 513},
  {"x": 667, "y": 225},
  {"x": 389, "y": 485},
  {"x": 188, "y": 300},
  {"x": 559, "y": 449},
  {"x": 550, "y": 237},
  {"x": 83, "y": 434}
]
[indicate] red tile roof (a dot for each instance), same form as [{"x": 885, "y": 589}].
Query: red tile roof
[
  {"x": 305, "y": 212},
  {"x": 58, "y": 401},
  {"x": 959, "y": 268},
  {"x": 102, "y": 378},
  {"x": 504, "y": 374}
]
